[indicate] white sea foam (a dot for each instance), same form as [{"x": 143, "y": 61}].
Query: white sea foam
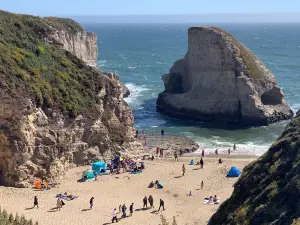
[
  {"x": 131, "y": 67},
  {"x": 136, "y": 91}
]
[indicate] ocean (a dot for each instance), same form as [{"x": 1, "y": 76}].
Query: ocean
[{"x": 141, "y": 53}]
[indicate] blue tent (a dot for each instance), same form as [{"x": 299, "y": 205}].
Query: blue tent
[
  {"x": 233, "y": 172},
  {"x": 99, "y": 167}
]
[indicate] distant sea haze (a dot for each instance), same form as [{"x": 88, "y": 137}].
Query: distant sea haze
[
  {"x": 142, "y": 53},
  {"x": 203, "y": 18}
]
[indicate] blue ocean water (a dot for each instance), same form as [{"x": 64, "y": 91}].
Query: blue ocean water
[{"x": 142, "y": 53}]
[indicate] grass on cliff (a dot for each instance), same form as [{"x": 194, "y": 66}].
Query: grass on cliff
[
  {"x": 248, "y": 57},
  {"x": 9, "y": 219},
  {"x": 268, "y": 192},
  {"x": 52, "y": 77}
]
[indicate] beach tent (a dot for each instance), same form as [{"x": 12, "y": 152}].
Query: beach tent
[
  {"x": 192, "y": 162},
  {"x": 38, "y": 184},
  {"x": 88, "y": 175},
  {"x": 233, "y": 172},
  {"x": 99, "y": 167}
]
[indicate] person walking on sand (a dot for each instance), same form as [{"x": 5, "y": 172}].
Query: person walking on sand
[
  {"x": 58, "y": 204},
  {"x": 176, "y": 156},
  {"x": 201, "y": 163},
  {"x": 114, "y": 217},
  {"x": 145, "y": 202},
  {"x": 229, "y": 151},
  {"x": 216, "y": 152},
  {"x": 202, "y": 154},
  {"x": 161, "y": 204},
  {"x": 35, "y": 202},
  {"x": 91, "y": 202},
  {"x": 183, "y": 170},
  {"x": 151, "y": 201},
  {"x": 124, "y": 208},
  {"x": 131, "y": 209},
  {"x": 202, "y": 185}
]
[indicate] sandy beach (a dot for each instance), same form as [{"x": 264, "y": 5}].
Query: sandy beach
[{"x": 112, "y": 190}]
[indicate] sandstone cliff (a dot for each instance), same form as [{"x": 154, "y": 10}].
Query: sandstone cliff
[
  {"x": 116, "y": 77},
  {"x": 268, "y": 191},
  {"x": 55, "y": 111},
  {"x": 220, "y": 80}
]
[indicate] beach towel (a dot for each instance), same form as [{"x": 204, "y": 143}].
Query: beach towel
[
  {"x": 206, "y": 202},
  {"x": 66, "y": 197}
]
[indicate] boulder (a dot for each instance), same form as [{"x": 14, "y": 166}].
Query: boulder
[{"x": 221, "y": 81}]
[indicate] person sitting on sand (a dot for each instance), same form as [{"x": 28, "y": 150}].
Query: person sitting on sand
[
  {"x": 220, "y": 161},
  {"x": 215, "y": 199},
  {"x": 151, "y": 185}
]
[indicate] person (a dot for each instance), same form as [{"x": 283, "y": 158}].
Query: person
[
  {"x": 110, "y": 166},
  {"x": 180, "y": 152},
  {"x": 120, "y": 208},
  {"x": 162, "y": 132},
  {"x": 151, "y": 185},
  {"x": 156, "y": 183},
  {"x": 145, "y": 141},
  {"x": 176, "y": 156},
  {"x": 229, "y": 151},
  {"x": 91, "y": 202},
  {"x": 58, "y": 204},
  {"x": 211, "y": 199},
  {"x": 161, "y": 204},
  {"x": 150, "y": 199},
  {"x": 131, "y": 209},
  {"x": 157, "y": 150},
  {"x": 145, "y": 202},
  {"x": 35, "y": 202},
  {"x": 124, "y": 208},
  {"x": 95, "y": 174},
  {"x": 202, "y": 185},
  {"x": 137, "y": 133},
  {"x": 190, "y": 194},
  {"x": 202, "y": 153},
  {"x": 217, "y": 153},
  {"x": 201, "y": 163},
  {"x": 220, "y": 161},
  {"x": 42, "y": 184},
  {"x": 215, "y": 199},
  {"x": 234, "y": 147},
  {"x": 114, "y": 217},
  {"x": 152, "y": 158},
  {"x": 183, "y": 170},
  {"x": 162, "y": 152}
]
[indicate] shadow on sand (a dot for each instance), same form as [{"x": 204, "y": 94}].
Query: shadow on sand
[
  {"x": 178, "y": 177},
  {"x": 29, "y": 208},
  {"x": 84, "y": 210}
]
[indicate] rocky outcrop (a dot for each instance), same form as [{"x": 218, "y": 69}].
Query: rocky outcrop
[
  {"x": 268, "y": 190},
  {"x": 79, "y": 42},
  {"x": 55, "y": 111},
  {"x": 116, "y": 77},
  {"x": 220, "y": 80}
]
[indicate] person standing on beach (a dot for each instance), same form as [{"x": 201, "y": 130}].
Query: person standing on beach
[
  {"x": 161, "y": 204},
  {"x": 229, "y": 151},
  {"x": 145, "y": 141},
  {"x": 217, "y": 153},
  {"x": 91, "y": 202},
  {"x": 124, "y": 208},
  {"x": 162, "y": 132},
  {"x": 151, "y": 201},
  {"x": 58, "y": 204},
  {"x": 180, "y": 152},
  {"x": 201, "y": 163},
  {"x": 114, "y": 217},
  {"x": 35, "y": 202},
  {"x": 131, "y": 209},
  {"x": 183, "y": 170},
  {"x": 157, "y": 150},
  {"x": 202, "y": 153},
  {"x": 137, "y": 133},
  {"x": 234, "y": 147},
  {"x": 145, "y": 202},
  {"x": 176, "y": 156},
  {"x": 202, "y": 185}
]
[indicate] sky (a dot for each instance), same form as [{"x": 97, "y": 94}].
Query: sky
[
  {"x": 147, "y": 7},
  {"x": 140, "y": 10}
]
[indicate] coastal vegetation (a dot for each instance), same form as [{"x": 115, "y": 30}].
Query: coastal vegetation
[
  {"x": 9, "y": 219},
  {"x": 269, "y": 189}
]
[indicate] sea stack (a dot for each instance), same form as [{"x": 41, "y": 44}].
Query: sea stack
[{"x": 221, "y": 81}]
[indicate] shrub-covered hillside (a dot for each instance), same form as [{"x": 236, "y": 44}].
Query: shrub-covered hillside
[
  {"x": 268, "y": 191},
  {"x": 9, "y": 219},
  {"x": 50, "y": 76}
]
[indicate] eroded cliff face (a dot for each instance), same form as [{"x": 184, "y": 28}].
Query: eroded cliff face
[
  {"x": 55, "y": 111},
  {"x": 220, "y": 80}
]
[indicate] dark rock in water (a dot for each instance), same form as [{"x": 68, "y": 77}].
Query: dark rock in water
[
  {"x": 116, "y": 77},
  {"x": 220, "y": 80},
  {"x": 268, "y": 191}
]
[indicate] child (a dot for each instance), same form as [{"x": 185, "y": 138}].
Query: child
[{"x": 183, "y": 170}]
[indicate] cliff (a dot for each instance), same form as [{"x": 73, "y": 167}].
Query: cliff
[
  {"x": 268, "y": 190},
  {"x": 55, "y": 111},
  {"x": 220, "y": 80}
]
